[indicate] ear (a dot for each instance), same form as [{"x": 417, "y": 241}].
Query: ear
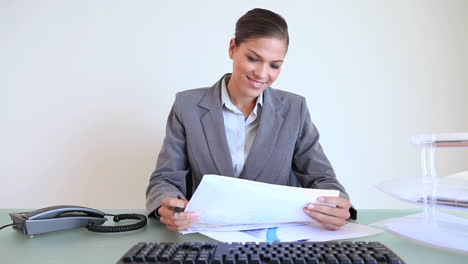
[{"x": 232, "y": 47}]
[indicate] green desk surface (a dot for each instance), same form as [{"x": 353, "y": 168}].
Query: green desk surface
[{"x": 83, "y": 246}]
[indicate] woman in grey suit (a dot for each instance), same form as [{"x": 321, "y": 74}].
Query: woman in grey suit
[{"x": 241, "y": 127}]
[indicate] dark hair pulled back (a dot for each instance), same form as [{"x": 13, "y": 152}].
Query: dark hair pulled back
[{"x": 260, "y": 22}]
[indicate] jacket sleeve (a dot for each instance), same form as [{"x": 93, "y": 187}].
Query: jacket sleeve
[
  {"x": 169, "y": 177},
  {"x": 310, "y": 165}
]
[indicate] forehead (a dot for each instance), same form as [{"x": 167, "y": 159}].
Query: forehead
[{"x": 267, "y": 47}]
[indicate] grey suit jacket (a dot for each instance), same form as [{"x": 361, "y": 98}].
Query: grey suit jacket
[{"x": 286, "y": 149}]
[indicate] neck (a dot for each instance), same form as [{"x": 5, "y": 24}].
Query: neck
[{"x": 243, "y": 103}]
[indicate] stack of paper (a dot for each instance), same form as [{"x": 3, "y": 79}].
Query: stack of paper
[{"x": 236, "y": 210}]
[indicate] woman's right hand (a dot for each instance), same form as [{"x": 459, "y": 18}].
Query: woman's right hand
[{"x": 173, "y": 221}]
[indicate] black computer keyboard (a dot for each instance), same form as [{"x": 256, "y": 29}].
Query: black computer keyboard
[{"x": 261, "y": 253}]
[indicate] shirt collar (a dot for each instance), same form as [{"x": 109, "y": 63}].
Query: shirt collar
[{"x": 226, "y": 100}]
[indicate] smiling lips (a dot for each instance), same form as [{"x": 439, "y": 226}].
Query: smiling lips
[{"x": 255, "y": 83}]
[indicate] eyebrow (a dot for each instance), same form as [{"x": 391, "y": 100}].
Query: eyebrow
[{"x": 258, "y": 55}]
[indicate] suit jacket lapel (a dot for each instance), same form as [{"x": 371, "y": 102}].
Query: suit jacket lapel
[
  {"x": 267, "y": 134},
  {"x": 215, "y": 134}
]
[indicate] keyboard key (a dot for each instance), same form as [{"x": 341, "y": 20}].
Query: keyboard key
[
  {"x": 358, "y": 261},
  {"x": 132, "y": 252},
  {"x": 394, "y": 260},
  {"x": 287, "y": 260},
  {"x": 343, "y": 259},
  {"x": 265, "y": 257},
  {"x": 274, "y": 261},
  {"x": 300, "y": 261},
  {"x": 217, "y": 260},
  {"x": 313, "y": 261},
  {"x": 230, "y": 260},
  {"x": 255, "y": 261},
  {"x": 189, "y": 261},
  {"x": 201, "y": 261},
  {"x": 370, "y": 260},
  {"x": 379, "y": 257},
  {"x": 243, "y": 260},
  {"x": 330, "y": 259},
  {"x": 165, "y": 258}
]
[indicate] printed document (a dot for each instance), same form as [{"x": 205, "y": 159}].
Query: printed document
[
  {"x": 222, "y": 201},
  {"x": 311, "y": 231},
  {"x": 237, "y": 210}
]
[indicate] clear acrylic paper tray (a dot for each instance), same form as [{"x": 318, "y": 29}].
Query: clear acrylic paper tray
[
  {"x": 441, "y": 140},
  {"x": 432, "y": 227}
]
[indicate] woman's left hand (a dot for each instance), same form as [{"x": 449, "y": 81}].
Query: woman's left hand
[{"x": 328, "y": 216}]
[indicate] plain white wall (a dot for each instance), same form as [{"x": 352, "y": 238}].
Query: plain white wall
[{"x": 86, "y": 86}]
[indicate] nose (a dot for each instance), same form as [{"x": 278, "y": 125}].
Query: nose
[{"x": 261, "y": 71}]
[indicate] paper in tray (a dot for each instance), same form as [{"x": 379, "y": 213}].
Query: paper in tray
[
  {"x": 452, "y": 191},
  {"x": 448, "y": 232}
]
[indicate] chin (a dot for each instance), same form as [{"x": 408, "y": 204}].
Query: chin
[{"x": 254, "y": 92}]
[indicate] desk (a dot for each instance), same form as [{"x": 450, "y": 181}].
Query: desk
[{"x": 83, "y": 246}]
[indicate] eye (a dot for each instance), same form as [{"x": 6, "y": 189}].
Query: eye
[
  {"x": 275, "y": 66},
  {"x": 252, "y": 59}
]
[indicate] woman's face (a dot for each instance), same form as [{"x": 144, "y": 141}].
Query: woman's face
[{"x": 256, "y": 65}]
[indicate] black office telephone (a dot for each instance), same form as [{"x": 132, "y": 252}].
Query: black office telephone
[{"x": 62, "y": 217}]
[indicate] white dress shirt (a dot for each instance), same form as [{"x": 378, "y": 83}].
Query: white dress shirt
[{"x": 240, "y": 132}]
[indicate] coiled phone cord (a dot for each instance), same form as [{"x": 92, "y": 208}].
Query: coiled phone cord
[{"x": 123, "y": 228}]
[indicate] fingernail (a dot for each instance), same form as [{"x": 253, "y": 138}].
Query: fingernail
[
  {"x": 195, "y": 216},
  {"x": 321, "y": 199},
  {"x": 311, "y": 206}
]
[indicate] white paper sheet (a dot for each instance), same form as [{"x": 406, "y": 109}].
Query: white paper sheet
[
  {"x": 223, "y": 200},
  {"x": 311, "y": 232},
  {"x": 315, "y": 232},
  {"x": 449, "y": 232},
  {"x": 197, "y": 227}
]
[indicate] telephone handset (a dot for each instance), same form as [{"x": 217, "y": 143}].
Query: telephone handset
[
  {"x": 63, "y": 211},
  {"x": 62, "y": 217}
]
